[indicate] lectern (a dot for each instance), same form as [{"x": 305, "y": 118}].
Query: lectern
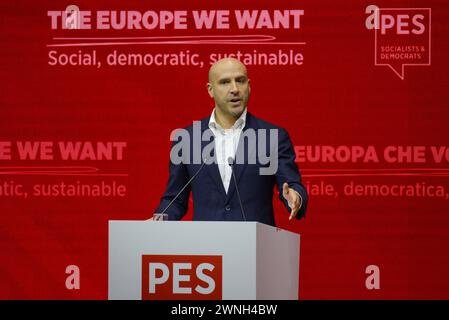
[{"x": 202, "y": 260}]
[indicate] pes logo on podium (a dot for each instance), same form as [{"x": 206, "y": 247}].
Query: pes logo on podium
[{"x": 181, "y": 277}]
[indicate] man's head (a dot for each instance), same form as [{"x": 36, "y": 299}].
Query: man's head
[{"x": 229, "y": 86}]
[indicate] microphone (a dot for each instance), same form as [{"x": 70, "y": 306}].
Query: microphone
[
  {"x": 185, "y": 186},
  {"x": 231, "y": 164}
]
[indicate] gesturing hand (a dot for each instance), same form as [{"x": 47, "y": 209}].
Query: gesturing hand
[{"x": 293, "y": 199}]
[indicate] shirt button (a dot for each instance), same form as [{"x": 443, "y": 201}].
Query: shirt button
[{"x": 227, "y": 208}]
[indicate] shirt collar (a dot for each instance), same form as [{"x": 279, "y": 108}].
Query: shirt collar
[{"x": 239, "y": 123}]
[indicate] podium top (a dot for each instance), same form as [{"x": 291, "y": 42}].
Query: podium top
[{"x": 233, "y": 225}]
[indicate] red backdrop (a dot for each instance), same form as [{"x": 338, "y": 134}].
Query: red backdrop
[{"x": 336, "y": 97}]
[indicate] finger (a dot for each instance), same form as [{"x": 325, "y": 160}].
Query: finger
[
  {"x": 285, "y": 188},
  {"x": 293, "y": 202},
  {"x": 293, "y": 213},
  {"x": 293, "y": 199}
]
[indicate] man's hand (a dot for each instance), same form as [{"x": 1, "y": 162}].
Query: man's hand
[
  {"x": 293, "y": 199},
  {"x": 159, "y": 217}
]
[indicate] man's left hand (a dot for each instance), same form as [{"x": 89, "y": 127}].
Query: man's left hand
[{"x": 293, "y": 199}]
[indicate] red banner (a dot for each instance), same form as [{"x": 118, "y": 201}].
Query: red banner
[{"x": 92, "y": 91}]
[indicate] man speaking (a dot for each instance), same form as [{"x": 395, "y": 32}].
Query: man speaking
[{"x": 242, "y": 158}]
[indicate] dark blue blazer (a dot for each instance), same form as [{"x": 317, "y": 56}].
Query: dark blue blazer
[{"x": 210, "y": 201}]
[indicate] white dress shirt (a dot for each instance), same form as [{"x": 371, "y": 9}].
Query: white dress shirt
[{"x": 226, "y": 143}]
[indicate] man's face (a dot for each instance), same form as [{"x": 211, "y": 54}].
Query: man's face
[{"x": 229, "y": 86}]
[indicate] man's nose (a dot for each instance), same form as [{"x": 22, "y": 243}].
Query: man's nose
[{"x": 234, "y": 88}]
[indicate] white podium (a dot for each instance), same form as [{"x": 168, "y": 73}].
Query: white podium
[{"x": 250, "y": 260}]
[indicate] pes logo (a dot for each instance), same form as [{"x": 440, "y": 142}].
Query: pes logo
[
  {"x": 181, "y": 277},
  {"x": 402, "y": 36}
]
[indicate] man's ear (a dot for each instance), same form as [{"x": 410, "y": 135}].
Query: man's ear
[
  {"x": 210, "y": 90},
  {"x": 249, "y": 86}
]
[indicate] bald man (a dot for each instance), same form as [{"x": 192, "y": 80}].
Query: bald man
[{"x": 225, "y": 189}]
